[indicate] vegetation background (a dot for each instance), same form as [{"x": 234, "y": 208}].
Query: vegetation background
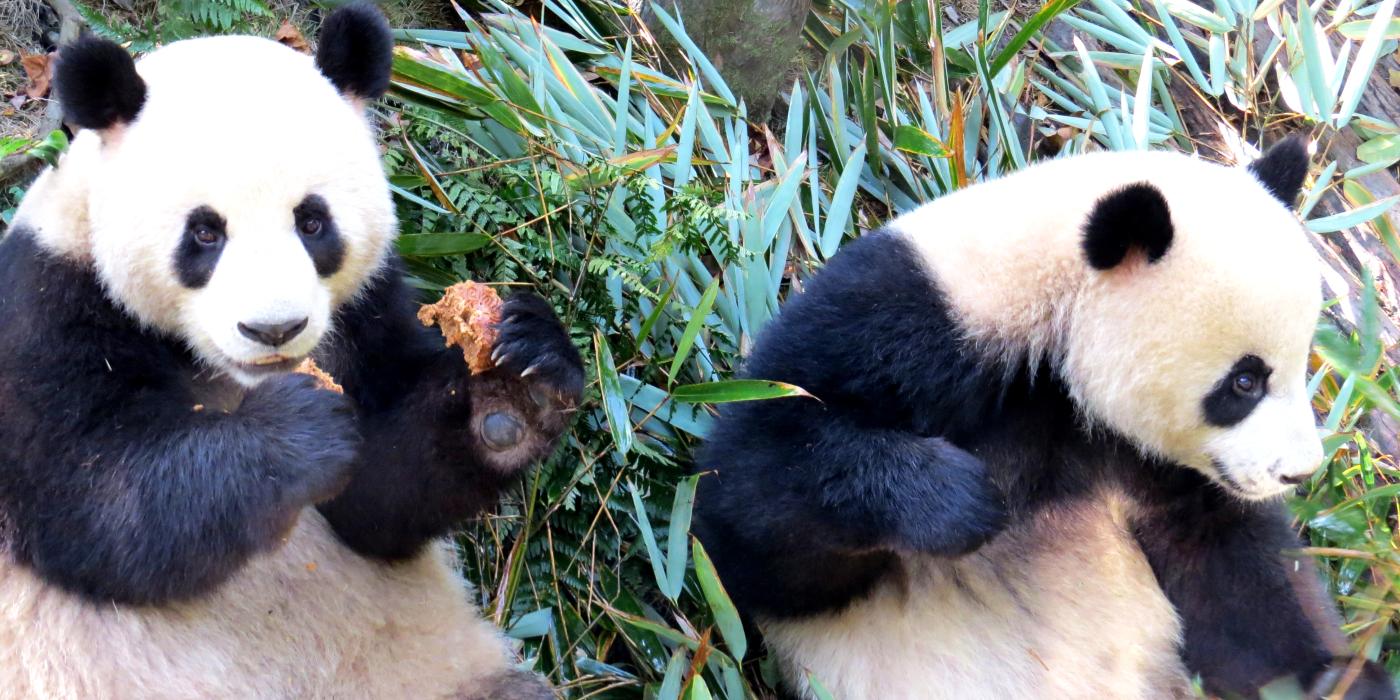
[{"x": 666, "y": 189}]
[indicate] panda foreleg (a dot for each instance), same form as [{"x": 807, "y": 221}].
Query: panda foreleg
[
  {"x": 806, "y": 508},
  {"x": 433, "y": 453},
  {"x": 161, "y": 502},
  {"x": 1248, "y": 618}
]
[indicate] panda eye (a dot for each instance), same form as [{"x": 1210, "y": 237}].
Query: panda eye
[
  {"x": 1247, "y": 385},
  {"x": 309, "y": 226},
  {"x": 205, "y": 235}
]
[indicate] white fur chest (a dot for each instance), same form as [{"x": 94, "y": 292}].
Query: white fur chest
[
  {"x": 310, "y": 620},
  {"x": 1063, "y": 606}
]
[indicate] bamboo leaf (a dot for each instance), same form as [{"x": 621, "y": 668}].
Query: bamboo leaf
[
  {"x": 1365, "y": 61},
  {"x": 839, "y": 212},
  {"x": 732, "y": 390},
  {"x": 614, "y": 405},
  {"x": 1383, "y": 149},
  {"x": 1033, "y": 26},
  {"x": 912, "y": 139},
  {"x": 692, "y": 328},
  {"x": 678, "y": 535},
  {"x": 1355, "y": 217},
  {"x": 658, "y": 563},
  {"x": 1356, "y": 30},
  {"x": 726, "y": 615},
  {"x": 427, "y": 245}
]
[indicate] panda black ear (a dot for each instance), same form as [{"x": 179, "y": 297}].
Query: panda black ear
[
  {"x": 1282, "y": 168},
  {"x": 1133, "y": 217},
  {"x": 97, "y": 84},
  {"x": 356, "y": 49}
]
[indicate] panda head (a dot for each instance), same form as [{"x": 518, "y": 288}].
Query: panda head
[
  {"x": 1192, "y": 332},
  {"x": 234, "y": 191}
]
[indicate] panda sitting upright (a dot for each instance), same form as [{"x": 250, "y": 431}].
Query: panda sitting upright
[
  {"x": 1055, "y": 412},
  {"x": 180, "y": 515}
]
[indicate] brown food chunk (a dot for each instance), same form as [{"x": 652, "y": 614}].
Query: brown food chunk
[
  {"x": 323, "y": 380},
  {"x": 467, "y": 315}
]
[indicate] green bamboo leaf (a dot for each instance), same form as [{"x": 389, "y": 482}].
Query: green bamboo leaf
[
  {"x": 1100, "y": 97},
  {"x": 1142, "y": 105},
  {"x": 868, "y": 121},
  {"x": 839, "y": 212},
  {"x": 658, "y": 563},
  {"x": 776, "y": 212},
  {"x": 912, "y": 139},
  {"x": 532, "y": 625},
  {"x": 1192, "y": 13},
  {"x": 1356, "y": 30},
  {"x": 698, "y": 690},
  {"x": 1340, "y": 404},
  {"x": 430, "y": 206},
  {"x": 692, "y": 328},
  {"x": 1033, "y": 26},
  {"x": 726, "y": 615},
  {"x": 679, "y": 534},
  {"x": 521, "y": 25},
  {"x": 1369, "y": 325},
  {"x": 1216, "y": 48},
  {"x": 675, "y": 675},
  {"x": 685, "y": 149},
  {"x": 1365, "y": 61},
  {"x": 439, "y": 79},
  {"x": 614, "y": 405},
  {"x": 732, "y": 390},
  {"x": 1355, "y": 217},
  {"x": 512, "y": 85},
  {"x": 620, "y": 107},
  {"x": 1313, "y": 48},
  {"x": 655, "y": 315},
  {"x": 707, "y": 69},
  {"x": 662, "y": 631},
  {"x": 427, "y": 245}
]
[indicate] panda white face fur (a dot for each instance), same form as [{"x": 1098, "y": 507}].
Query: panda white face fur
[
  {"x": 1180, "y": 313},
  {"x": 233, "y": 212}
]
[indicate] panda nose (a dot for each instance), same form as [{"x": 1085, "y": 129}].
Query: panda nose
[{"x": 272, "y": 334}]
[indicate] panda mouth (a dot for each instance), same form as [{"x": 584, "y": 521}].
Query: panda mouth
[{"x": 270, "y": 364}]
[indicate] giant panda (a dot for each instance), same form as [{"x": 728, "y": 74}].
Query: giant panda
[
  {"x": 1055, "y": 412},
  {"x": 181, "y": 516}
]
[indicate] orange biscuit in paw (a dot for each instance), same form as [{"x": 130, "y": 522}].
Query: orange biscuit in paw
[
  {"x": 467, "y": 315},
  {"x": 323, "y": 380}
]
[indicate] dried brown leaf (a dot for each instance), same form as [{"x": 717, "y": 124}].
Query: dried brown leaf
[
  {"x": 38, "y": 67},
  {"x": 289, "y": 35}
]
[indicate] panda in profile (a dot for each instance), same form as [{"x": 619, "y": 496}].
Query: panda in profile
[
  {"x": 180, "y": 515},
  {"x": 1056, "y": 411}
]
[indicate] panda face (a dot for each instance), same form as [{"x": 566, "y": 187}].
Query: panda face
[
  {"x": 1200, "y": 355},
  {"x": 242, "y": 205}
]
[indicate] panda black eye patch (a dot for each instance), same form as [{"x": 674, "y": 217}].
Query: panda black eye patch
[
  {"x": 200, "y": 247},
  {"x": 319, "y": 234},
  {"x": 1237, "y": 393}
]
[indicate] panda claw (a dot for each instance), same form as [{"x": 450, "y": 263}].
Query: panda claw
[{"x": 530, "y": 370}]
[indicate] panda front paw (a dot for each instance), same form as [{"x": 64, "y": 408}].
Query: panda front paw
[
  {"x": 532, "y": 345},
  {"x": 953, "y": 507},
  {"x": 521, "y": 406},
  {"x": 312, "y": 434}
]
